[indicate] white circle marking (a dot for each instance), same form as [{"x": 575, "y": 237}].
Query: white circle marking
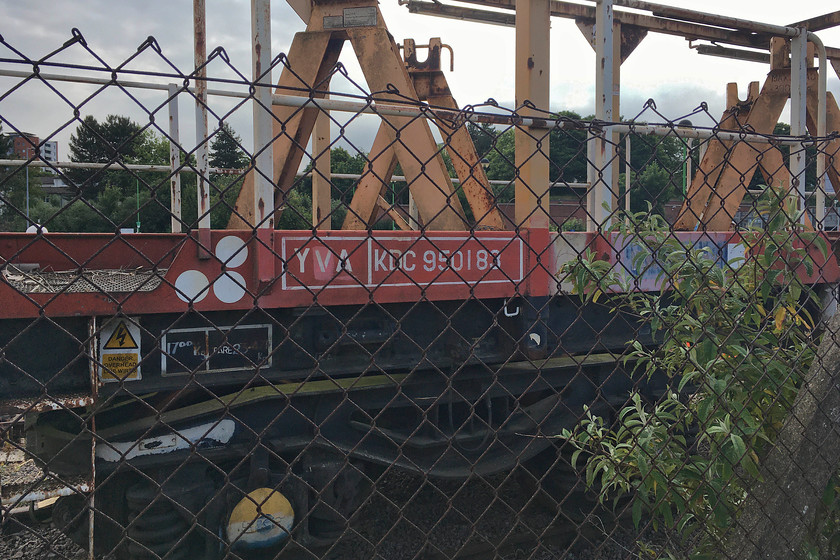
[
  {"x": 232, "y": 251},
  {"x": 192, "y": 285},
  {"x": 229, "y": 287}
]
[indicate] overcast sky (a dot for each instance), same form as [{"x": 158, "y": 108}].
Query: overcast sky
[{"x": 662, "y": 67}]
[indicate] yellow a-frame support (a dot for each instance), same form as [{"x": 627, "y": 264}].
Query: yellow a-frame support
[
  {"x": 311, "y": 58},
  {"x": 430, "y": 85},
  {"x": 726, "y": 170}
]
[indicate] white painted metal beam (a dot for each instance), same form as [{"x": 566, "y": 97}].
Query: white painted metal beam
[
  {"x": 174, "y": 160},
  {"x": 261, "y": 73},
  {"x": 798, "y": 76},
  {"x": 600, "y": 198}
]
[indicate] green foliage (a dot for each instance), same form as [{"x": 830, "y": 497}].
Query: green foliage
[
  {"x": 656, "y": 164},
  {"x": 567, "y": 152},
  {"x": 654, "y": 186},
  {"x": 296, "y": 210},
  {"x": 483, "y": 136},
  {"x": 117, "y": 138},
  {"x": 5, "y": 143},
  {"x": 13, "y": 182},
  {"x": 573, "y": 224},
  {"x": 124, "y": 198},
  {"x": 734, "y": 340},
  {"x": 225, "y": 150},
  {"x": 297, "y": 207}
]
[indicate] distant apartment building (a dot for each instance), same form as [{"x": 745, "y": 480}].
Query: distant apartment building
[
  {"x": 22, "y": 144},
  {"x": 22, "y": 147},
  {"x": 49, "y": 151}
]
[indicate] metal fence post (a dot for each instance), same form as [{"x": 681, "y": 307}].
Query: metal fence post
[
  {"x": 201, "y": 151},
  {"x": 174, "y": 160},
  {"x": 532, "y": 84},
  {"x": 264, "y": 211},
  {"x": 600, "y": 198},
  {"x": 627, "y": 176},
  {"x": 321, "y": 177},
  {"x": 798, "y": 74}
]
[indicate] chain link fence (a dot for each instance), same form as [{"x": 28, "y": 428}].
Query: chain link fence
[{"x": 408, "y": 348}]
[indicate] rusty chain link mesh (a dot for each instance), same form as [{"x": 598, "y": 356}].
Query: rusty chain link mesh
[{"x": 388, "y": 389}]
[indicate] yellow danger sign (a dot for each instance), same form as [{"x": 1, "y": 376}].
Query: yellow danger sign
[
  {"x": 120, "y": 366},
  {"x": 119, "y": 350},
  {"x": 121, "y": 339}
]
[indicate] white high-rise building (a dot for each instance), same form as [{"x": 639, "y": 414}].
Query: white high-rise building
[{"x": 49, "y": 151}]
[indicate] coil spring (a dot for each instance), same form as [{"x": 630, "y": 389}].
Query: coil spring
[{"x": 156, "y": 530}]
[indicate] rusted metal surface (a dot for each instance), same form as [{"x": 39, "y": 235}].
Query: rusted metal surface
[
  {"x": 312, "y": 55},
  {"x": 468, "y": 168},
  {"x": 431, "y": 86},
  {"x": 45, "y": 404},
  {"x": 416, "y": 149},
  {"x": 392, "y": 212},
  {"x": 532, "y": 84},
  {"x": 303, "y": 8},
  {"x": 740, "y": 167},
  {"x": 705, "y": 196},
  {"x": 821, "y": 116},
  {"x": 322, "y": 173},
  {"x": 721, "y": 183},
  {"x": 174, "y": 160},
  {"x": 375, "y": 179},
  {"x": 675, "y": 27},
  {"x": 263, "y": 194},
  {"x": 818, "y": 23},
  {"x": 600, "y": 199},
  {"x": 737, "y": 54},
  {"x": 798, "y": 86},
  {"x": 201, "y": 132},
  {"x": 695, "y": 16}
]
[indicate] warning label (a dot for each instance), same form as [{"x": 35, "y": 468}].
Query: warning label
[
  {"x": 120, "y": 367},
  {"x": 121, "y": 339},
  {"x": 119, "y": 350}
]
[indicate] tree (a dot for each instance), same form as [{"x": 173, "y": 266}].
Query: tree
[
  {"x": 567, "y": 151},
  {"x": 500, "y": 166},
  {"x": 226, "y": 149},
  {"x": 483, "y": 136},
  {"x": 225, "y": 153},
  {"x": 653, "y": 186},
  {"x": 567, "y": 154},
  {"x": 297, "y": 204},
  {"x": 13, "y": 188},
  {"x": 121, "y": 199},
  {"x": 115, "y": 139},
  {"x": 735, "y": 345},
  {"x": 5, "y": 143}
]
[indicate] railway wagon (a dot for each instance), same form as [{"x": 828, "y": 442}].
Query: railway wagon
[
  {"x": 202, "y": 410},
  {"x": 442, "y": 353}
]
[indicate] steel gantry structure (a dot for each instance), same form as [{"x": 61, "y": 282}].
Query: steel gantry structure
[{"x": 783, "y": 46}]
